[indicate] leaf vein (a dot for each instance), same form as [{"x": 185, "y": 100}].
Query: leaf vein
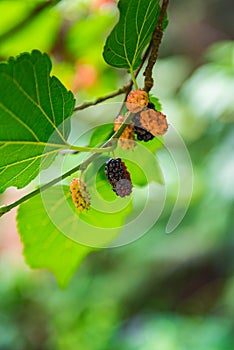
[
  {"x": 39, "y": 107},
  {"x": 5, "y": 167},
  {"x": 14, "y": 116},
  {"x": 20, "y": 173}
]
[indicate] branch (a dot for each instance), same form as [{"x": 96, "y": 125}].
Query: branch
[
  {"x": 120, "y": 91},
  {"x": 32, "y": 15},
  {"x": 110, "y": 144},
  {"x": 154, "y": 44}
]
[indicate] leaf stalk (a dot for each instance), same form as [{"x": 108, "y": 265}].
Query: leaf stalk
[{"x": 133, "y": 78}]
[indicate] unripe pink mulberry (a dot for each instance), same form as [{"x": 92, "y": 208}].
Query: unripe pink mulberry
[
  {"x": 137, "y": 100},
  {"x": 153, "y": 121},
  {"x": 126, "y": 140}
]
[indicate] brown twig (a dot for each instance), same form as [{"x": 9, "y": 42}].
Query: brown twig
[
  {"x": 120, "y": 91},
  {"x": 154, "y": 44},
  {"x": 35, "y": 12}
]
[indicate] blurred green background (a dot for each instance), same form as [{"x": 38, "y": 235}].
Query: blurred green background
[{"x": 165, "y": 291}]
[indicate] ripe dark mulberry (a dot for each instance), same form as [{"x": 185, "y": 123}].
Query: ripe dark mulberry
[
  {"x": 118, "y": 176},
  {"x": 142, "y": 134},
  {"x": 151, "y": 105}
]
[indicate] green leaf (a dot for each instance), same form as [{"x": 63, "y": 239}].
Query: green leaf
[
  {"x": 165, "y": 22},
  {"x": 33, "y": 106},
  {"x": 156, "y": 102},
  {"x": 103, "y": 133},
  {"x": 155, "y": 144},
  {"x": 44, "y": 245},
  {"x": 47, "y": 221},
  {"x": 132, "y": 33},
  {"x": 142, "y": 163}
]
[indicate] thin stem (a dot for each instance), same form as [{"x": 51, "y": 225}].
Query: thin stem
[
  {"x": 133, "y": 78},
  {"x": 90, "y": 149},
  {"x": 120, "y": 91}
]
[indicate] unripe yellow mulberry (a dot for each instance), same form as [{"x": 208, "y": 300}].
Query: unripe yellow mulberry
[{"x": 80, "y": 196}]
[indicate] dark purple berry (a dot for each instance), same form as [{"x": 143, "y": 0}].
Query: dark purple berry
[
  {"x": 118, "y": 176},
  {"x": 142, "y": 134},
  {"x": 123, "y": 188},
  {"x": 151, "y": 105}
]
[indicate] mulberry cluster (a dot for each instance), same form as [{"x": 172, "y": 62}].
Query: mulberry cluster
[
  {"x": 148, "y": 122},
  {"x": 126, "y": 140},
  {"x": 80, "y": 195},
  {"x": 118, "y": 176}
]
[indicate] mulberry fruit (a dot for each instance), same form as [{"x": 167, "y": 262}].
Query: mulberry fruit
[
  {"x": 80, "y": 195},
  {"x": 126, "y": 140},
  {"x": 151, "y": 105},
  {"x": 142, "y": 134},
  {"x": 118, "y": 176},
  {"x": 149, "y": 123},
  {"x": 153, "y": 121},
  {"x": 137, "y": 100}
]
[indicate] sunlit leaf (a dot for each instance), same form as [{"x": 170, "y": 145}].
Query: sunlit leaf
[{"x": 100, "y": 134}]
